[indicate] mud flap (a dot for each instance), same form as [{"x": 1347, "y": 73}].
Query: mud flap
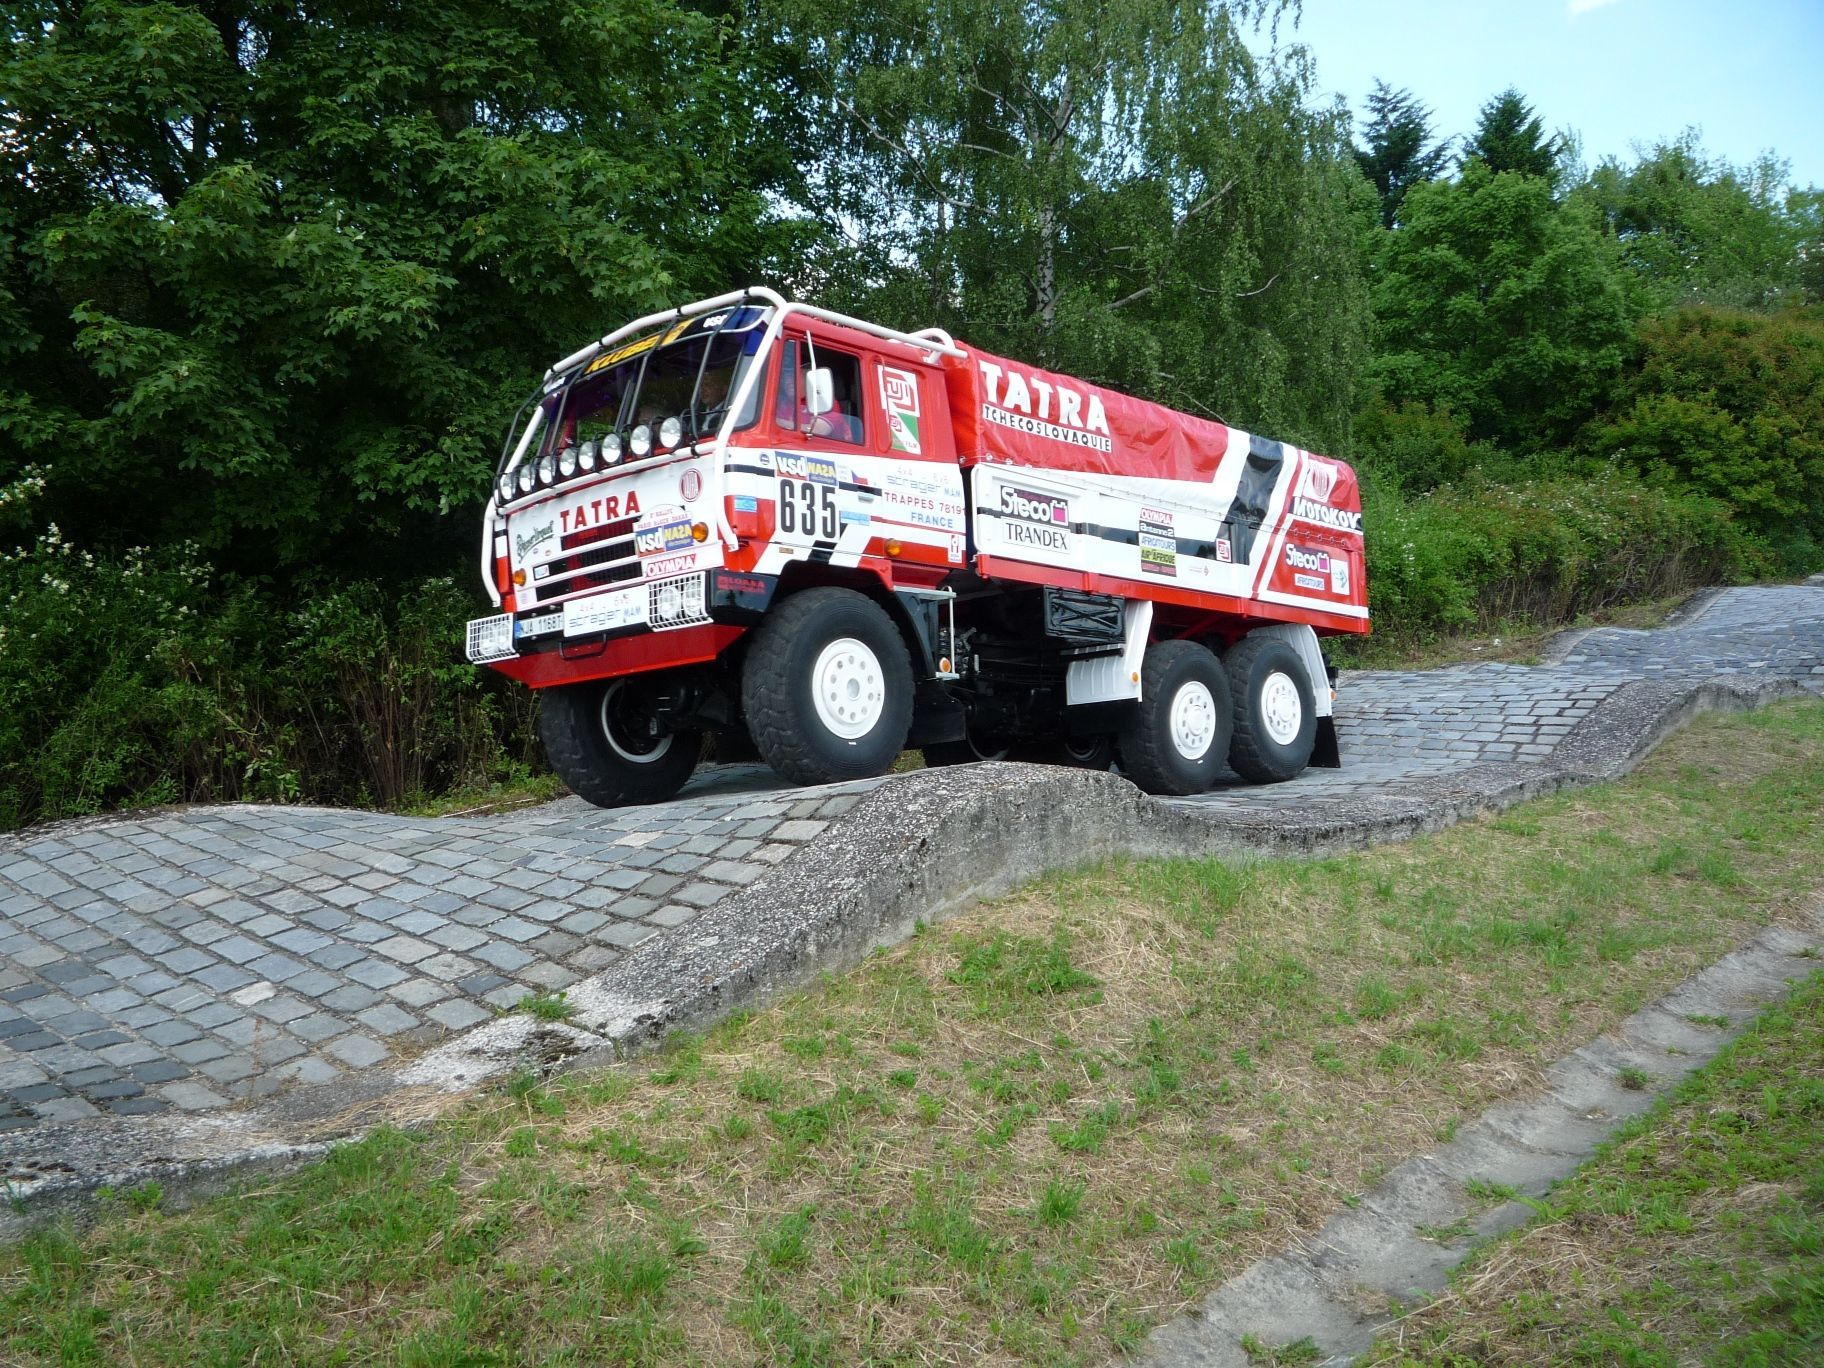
[
  {"x": 936, "y": 716},
  {"x": 1326, "y": 753}
]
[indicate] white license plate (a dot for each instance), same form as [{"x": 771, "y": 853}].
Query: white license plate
[
  {"x": 606, "y": 612},
  {"x": 538, "y": 626}
]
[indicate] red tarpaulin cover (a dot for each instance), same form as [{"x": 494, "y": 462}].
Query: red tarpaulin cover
[{"x": 1009, "y": 413}]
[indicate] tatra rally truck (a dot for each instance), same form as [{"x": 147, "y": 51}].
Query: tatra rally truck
[{"x": 836, "y": 540}]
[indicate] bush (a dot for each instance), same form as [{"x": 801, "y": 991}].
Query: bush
[
  {"x": 1730, "y": 404},
  {"x": 146, "y": 679},
  {"x": 1478, "y": 555}
]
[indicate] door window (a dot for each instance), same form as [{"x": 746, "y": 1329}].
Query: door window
[{"x": 843, "y": 423}]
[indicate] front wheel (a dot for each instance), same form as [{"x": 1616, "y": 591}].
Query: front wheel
[
  {"x": 606, "y": 742},
  {"x": 1178, "y": 736},
  {"x": 827, "y": 688}
]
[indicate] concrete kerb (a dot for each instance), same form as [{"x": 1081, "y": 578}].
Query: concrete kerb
[{"x": 914, "y": 849}]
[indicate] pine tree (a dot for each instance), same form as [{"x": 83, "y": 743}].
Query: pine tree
[
  {"x": 1511, "y": 137},
  {"x": 1400, "y": 151}
]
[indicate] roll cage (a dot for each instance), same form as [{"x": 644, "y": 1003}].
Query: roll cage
[{"x": 928, "y": 342}]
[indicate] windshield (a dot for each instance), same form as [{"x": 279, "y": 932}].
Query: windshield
[{"x": 692, "y": 379}]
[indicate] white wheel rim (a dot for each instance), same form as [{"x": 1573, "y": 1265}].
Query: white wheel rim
[
  {"x": 1282, "y": 712},
  {"x": 661, "y": 744},
  {"x": 1193, "y": 719},
  {"x": 848, "y": 688}
]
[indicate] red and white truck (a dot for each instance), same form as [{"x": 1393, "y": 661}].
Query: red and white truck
[{"x": 755, "y": 517}]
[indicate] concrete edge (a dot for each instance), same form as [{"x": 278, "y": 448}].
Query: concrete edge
[
  {"x": 914, "y": 850},
  {"x": 1342, "y": 1285}
]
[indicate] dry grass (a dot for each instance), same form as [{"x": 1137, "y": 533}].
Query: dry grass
[{"x": 1026, "y": 1136}]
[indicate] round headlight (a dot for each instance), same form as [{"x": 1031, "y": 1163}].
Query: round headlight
[
  {"x": 526, "y": 476},
  {"x": 611, "y": 448},
  {"x": 503, "y": 487},
  {"x": 671, "y": 432},
  {"x": 566, "y": 462},
  {"x": 639, "y": 441},
  {"x": 586, "y": 454},
  {"x": 547, "y": 468}
]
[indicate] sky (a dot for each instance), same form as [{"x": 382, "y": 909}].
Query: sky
[{"x": 1748, "y": 73}]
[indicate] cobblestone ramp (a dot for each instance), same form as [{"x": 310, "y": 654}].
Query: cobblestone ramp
[{"x": 185, "y": 964}]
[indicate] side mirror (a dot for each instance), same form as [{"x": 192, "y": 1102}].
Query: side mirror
[{"x": 819, "y": 391}]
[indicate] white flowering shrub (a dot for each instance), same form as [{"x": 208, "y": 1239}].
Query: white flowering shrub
[{"x": 1481, "y": 555}]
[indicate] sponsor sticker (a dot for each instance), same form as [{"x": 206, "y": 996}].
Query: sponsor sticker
[
  {"x": 1311, "y": 511},
  {"x": 955, "y": 549},
  {"x": 661, "y": 566},
  {"x": 1339, "y": 575},
  {"x": 899, "y": 397},
  {"x": 525, "y": 543},
  {"x": 667, "y": 537},
  {"x": 690, "y": 484},
  {"x": 606, "y": 612},
  {"x": 1318, "y": 480},
  {"x": 817, "y": 469},
  {"x": 746, "y": 503},
  {"x": 1224, "y": 552},
  {"x": 1045, "y": 538},
  {"x": 1029, "y": 506},
  {"x": 1304, "y": 558},
  {"x": 1309, "y": 582}
]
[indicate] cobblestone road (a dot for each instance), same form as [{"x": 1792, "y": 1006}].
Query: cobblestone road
[{"x": 182, "y": 961}]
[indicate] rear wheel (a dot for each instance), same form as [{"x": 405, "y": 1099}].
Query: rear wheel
[
  {"x": 1085, "y": 752},
  {"x": 827, "y": 688},
  {"x": 1179, "y": 735},
  {"x": 1275, "y": 713},
  {"x": 606, "y": 742},
  {"x": 972, "y": 748}
]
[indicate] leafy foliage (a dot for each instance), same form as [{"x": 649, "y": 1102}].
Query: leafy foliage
[
  {"x": 1123, "y": 192},
  {"x": 1498, "y": 304},
  {"x": 272, "y": 277},
  {"x": 1695, "y": 229},
  {"x": 1732, "y": 404}
]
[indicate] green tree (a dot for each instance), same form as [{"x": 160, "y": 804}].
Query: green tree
[
  {"x": 1400, "y": 150},
  {"x": 1501, "y": 306},
  {"x": 273, "y": 277},
  {"x": 1509, "y": 136},
  {"x": 1731, "y": 403},
  {"x": 1696, "y": 229},
  {"x": 1122, "y": 191}
]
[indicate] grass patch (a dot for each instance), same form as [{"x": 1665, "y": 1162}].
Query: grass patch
[
  {"x": 1695, "y": 1235},
  {"x": 1026, "y": 1135}
]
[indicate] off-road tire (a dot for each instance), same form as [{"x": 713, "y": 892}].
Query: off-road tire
[
  {"x": 1149, "y": 754},
  {"x": 571, "y": 722},
  {"x": 1254, "y": 752},
  {"x": 776, "y": 688}
]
